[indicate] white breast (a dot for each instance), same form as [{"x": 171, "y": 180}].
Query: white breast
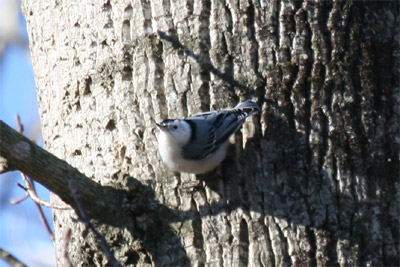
[{"x": 170, "y": 153}]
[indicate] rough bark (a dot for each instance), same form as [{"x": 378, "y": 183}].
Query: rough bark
[
  {"x": 311, "y": 180},
  {"x": 22, "y": 154}
]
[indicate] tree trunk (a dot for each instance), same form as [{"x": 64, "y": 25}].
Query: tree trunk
[{"x": 311, "y": 180}]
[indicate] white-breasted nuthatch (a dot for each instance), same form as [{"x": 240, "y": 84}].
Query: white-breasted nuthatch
[{"x": 198, "y": 144}]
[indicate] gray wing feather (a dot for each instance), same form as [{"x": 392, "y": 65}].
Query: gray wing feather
[
  {"x": 213, "y": 128},
  {"x": 203, "y": 143}
]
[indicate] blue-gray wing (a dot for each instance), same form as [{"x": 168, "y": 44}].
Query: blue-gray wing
[
  {"x": 202, "y": 141},
  {"x": 213, "y": 128}
]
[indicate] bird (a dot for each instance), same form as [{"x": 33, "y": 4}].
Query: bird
[{"x": 198, "y": 144}]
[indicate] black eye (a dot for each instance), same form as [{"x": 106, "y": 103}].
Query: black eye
[{"x": 175, "y": 127}]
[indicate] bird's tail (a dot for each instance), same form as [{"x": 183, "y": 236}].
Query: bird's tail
[{"x": 248, "y": 107}]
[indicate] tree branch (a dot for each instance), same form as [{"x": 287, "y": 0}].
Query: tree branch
[
  {"x": 18, "y": 152},
  {"x": 10, "y": 259}
]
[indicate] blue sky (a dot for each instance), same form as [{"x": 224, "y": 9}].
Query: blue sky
[{"x": 21, "y": 231}]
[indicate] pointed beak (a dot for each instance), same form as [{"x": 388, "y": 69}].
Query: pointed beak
[{"x": 161, "y": 126}]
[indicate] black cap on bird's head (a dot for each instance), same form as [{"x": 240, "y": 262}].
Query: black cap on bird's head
[{"x": 164, "y": 125}]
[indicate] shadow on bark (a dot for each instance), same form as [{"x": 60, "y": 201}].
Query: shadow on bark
[
  {"x": 286, "y": 187},
  {"x": 282, "y": 180},
  {"x": 285, "y": 181}
]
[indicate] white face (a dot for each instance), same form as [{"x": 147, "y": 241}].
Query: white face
[{"x": 178, "y": 129}]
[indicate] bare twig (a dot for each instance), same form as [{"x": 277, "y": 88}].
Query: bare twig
[
  {"x": 10, "y": 259},
  {"x": 32, "y": 193},
  {"x": 22, "y": 187},
  {"x": 86, "y": 220},
  {"x": 44, "y": 221},
  {"x": 20, "y": 127},
  {"x": 19, "y": 200},
  {"x": 53, "y": 173},
  {"x": 30, "y": 189}
]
